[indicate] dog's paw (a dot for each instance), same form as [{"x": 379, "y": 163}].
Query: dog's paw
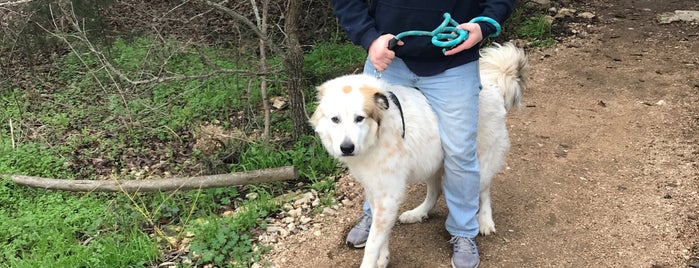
[
  {"x": 412, "y": 217},
  {"x": 486, "y": 225}
]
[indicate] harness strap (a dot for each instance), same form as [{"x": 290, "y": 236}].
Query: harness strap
[{"x": 395, "y": 101}]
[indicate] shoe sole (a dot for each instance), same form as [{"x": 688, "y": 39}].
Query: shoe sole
[{"x": 359, "y": 246}]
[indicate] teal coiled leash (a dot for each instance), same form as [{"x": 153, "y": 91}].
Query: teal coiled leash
[{"x": 447, "y": 34}]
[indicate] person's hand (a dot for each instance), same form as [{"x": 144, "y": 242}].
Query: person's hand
[
  {"x": 475, "y": 36},
  {"x": 379, "y": 54}
]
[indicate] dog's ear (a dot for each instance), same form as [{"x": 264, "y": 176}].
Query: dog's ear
[
  {"x": 316, "y": 117},
  {"x": 318, "y": 112},
  {"x": 381, "y": 100}
]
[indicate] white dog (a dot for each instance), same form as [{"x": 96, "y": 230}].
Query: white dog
[{"x": 387, "y": 136}]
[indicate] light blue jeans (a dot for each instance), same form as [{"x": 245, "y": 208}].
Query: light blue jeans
[{"x": 453, "y": 95}]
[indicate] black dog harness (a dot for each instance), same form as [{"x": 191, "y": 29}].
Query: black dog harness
[{"x": 395, "y": 101}]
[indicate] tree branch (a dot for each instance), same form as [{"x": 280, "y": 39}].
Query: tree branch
[
  {"x": 172, "y": 184},
  {"x": 237, "y": 16},
  {"x": 12, "y": 3}
]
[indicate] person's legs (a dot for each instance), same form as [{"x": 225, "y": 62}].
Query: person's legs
[{"x": 454, "y": 98}]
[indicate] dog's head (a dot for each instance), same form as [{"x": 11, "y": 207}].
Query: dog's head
[{"x": 349, "y": 114}]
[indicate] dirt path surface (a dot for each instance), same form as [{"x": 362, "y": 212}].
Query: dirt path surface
[{"x": 604, "y": 166}]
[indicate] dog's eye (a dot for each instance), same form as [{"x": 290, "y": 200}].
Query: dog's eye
[
  {"x": 359, "y": 119},
  {"x": 335, "y": 119}
]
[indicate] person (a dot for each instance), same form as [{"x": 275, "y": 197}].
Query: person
[{"x": 449, "y": 80}]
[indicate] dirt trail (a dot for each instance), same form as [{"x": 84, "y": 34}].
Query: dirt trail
[{"x": 604, "y": 166}]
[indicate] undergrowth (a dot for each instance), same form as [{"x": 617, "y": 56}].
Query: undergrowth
[
  {"x": 93, "y": 124},
  {"x": 56, "y": 229}
]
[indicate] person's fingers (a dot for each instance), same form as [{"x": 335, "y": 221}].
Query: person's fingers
[
  {"x": 474, "y": 37},
  {"x": 379, "y": 54}
]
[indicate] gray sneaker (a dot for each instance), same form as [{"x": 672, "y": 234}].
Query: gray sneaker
[
  {"x": 356, "y": 238},
  {"x": 465, "y": 253}
]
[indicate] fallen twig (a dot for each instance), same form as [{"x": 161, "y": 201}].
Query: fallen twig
[{"x": 160, "y": 185}]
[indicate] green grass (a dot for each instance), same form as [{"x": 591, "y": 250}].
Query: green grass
[
  {"x": 529, "y": 23},
  {"x": 56, "y": 229},
  {"x": 328, "y": 60},
  {"x": 536, "y": 30}
]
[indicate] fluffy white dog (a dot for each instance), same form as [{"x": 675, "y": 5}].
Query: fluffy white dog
[{"x": 387, "y": 136}]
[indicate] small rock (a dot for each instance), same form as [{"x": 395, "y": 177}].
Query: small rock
[
  {"x": 228, "y": 213},
  {"x": 329, "y": 211},
  {"x": 283, "y": 232},
  {"x": 272, "y": 229},
  {"x": 305, "y": 199},
  {"x": 315, "y": 202},
  {"x": 251, "y": 196},
  {"x": 679, "y": 15},
  {"x": 317, "y": 233},
  {"x": 565, "y": 12},
  {"x": 347, "y": 202},
  {"x": 305, "y": 219},
  {"x": 287, "y": 206},
  {"x": 660, "y": 103},
  {"x": 540, "y": 2},
  {"x": 295, "y": 213},
  {"x": 586, "y": 15},
  {"x": 279, "y": 103},
  {"x": 288, "y": 220}
]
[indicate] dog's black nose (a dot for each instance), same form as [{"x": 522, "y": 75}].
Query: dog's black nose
[{"x": 347, "y": 148}]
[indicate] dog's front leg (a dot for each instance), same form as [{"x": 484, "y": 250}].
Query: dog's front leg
[{"x": 385, "y": 211}]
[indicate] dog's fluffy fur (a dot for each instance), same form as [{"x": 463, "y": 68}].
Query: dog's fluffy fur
[{"x": 360, "y": 124}]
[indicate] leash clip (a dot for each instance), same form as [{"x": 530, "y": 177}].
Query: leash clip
[{"x": 377, "y": 74}]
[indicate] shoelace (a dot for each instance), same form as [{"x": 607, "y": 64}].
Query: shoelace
[{"x": 463, "y": 242}]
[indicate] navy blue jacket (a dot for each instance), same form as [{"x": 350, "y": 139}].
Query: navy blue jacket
[{"x": 365, "y": 22}]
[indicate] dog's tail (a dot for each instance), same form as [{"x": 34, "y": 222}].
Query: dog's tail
[{"x": 506, "y": 66}]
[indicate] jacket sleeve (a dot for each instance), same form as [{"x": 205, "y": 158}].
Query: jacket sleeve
[
  {"x": 499, "y": 10},
  {"x": 354, "y": 17}
]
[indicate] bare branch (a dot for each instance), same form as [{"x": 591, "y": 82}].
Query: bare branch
[
  {"x": 13, "y": 3},
  {"x": 185, "y": 77},
  {"x": 237, "y": 16},
  {"x": 161, "y": 185}
]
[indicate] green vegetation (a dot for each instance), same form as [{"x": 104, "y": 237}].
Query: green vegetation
[
  {"x": 93, "y": 124},
  {"x": 530, "y": 24},
  {"x": 536, "y": 30},
  {"x": 54, "y": 229}
]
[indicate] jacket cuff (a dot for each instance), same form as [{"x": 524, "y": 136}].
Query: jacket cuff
[
  {"x": 486, "y": 29},
  {"x": 368, "y": 38}
]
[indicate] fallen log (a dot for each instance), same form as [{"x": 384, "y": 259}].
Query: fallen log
[{"x": 160, "y": 185}]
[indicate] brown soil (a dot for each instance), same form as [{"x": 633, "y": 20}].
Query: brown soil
[{"x": 604, "y": 166}]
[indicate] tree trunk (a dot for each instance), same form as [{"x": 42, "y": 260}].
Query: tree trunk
[
  {"x": 262, "y": 25},
  {"x": 293, "y": 65}
]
